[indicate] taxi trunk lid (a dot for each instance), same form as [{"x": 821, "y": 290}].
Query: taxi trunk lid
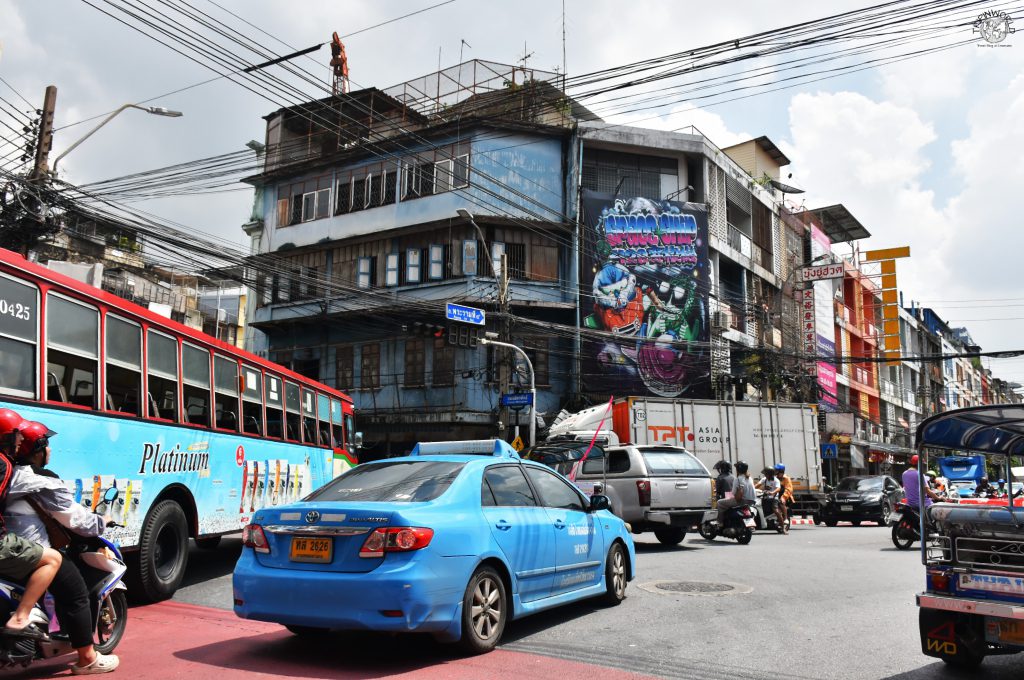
[{"x": 322, "y": 536}]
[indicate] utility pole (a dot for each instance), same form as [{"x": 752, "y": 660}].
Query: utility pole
[{"x": 41, "y": 171}]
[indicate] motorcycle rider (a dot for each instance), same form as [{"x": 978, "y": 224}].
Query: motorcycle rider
[
  {"x": 724, "y": 481},
  {"x": 911, "y": 487},
  {"x": 984, "y": 489},
  {"x": 743, "y": 492},
  {"x": 21, "y": 559},
  {"x": 1001, "y": 488},
  {"x": 771, "y": 488},
  {"x": 48, "y": 494},
  {"x": 786, "y": 495}
]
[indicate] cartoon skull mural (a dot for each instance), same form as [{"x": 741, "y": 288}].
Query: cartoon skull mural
[{"x": 650, "y": 288}]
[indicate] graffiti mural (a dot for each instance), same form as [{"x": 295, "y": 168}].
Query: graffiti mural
[{"x": 647, "y": 281}]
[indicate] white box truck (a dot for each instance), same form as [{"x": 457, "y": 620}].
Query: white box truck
[{"x": 760, "y": 433}]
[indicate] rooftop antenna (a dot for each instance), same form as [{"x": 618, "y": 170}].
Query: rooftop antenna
[
  {"x": 526, "y": 55},
  {"x": 339, "y": 63},
  {"x": 565, "y": 67}
]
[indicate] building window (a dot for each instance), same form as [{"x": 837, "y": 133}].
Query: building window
[
  {"x": 469, "y": 250},
  {"x": 391, "y": 269},
  {"x": 442, "y": 176},
  {"x": 436, "y": 262},
  {"x": 365, "y": 274},
  {"x": 414, "y": 361},
  {"x": 344, "y": 203},
  {"x": 283, "y": 212},
  {"x": 461, "y": 178},
  {"x": 516, "y": 258},
  {"x": 411, "y": 185},
  {"x": 369, "y": 366},
  {"x": 343, "y": 367},
  {"x": 323, "y": 204},
  {"x": 359, "y": 194},
  {"x": 376, "y": 190},
  {"x": 497, "y": 250},
  {"x": 296, "y": 216},
  {"x": 443, "y": 370},
  {"x": 412, "y": 265},
  {"x": 310, "y": 282},
  {"x": 389, "y": 188},
  {"x": 537, "y": 350}
]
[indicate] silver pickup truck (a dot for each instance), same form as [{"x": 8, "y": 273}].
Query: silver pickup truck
[{"x": 658, "y": 488}]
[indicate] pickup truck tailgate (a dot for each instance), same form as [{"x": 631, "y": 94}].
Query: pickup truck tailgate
[{"x": 678, "y": 479}]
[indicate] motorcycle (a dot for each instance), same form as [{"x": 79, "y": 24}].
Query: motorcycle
[
  {"x": 739, "y": 524},
  {"x": 767, "y": 519},
  {"x": 101, "y": 559},
  {"x": 906, "y": 526}
]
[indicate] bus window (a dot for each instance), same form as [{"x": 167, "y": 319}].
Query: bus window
[
  {"x": 195, "y": 364},
  {"x": 225, "y": 393},
  {"x": 124, "y": 366},
  {"x": 19, "y": 323},
  {"x": 291, "y": 403},
  {"x": 275, "y": 403},
  {"x": 162, "y": 374},
  {"x": 72, "y": 349},
  {"x": 252, "y": 401},
  {"x": 323, "y": 419},
  {"x": 309, "y": 431},
  {"x": 336, "y": 428},
  {"x": 349, "y": 429}
]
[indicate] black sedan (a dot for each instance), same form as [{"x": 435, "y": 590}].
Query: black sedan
[{"x": 859, "y": 498}]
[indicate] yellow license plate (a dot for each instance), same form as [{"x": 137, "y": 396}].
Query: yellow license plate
[
  {"x": 1011, "y": 631},
  {"x": 309, "y": 549}
]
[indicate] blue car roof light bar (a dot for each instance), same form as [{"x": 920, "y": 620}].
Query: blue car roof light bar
[{"x": 472, "y": 447}]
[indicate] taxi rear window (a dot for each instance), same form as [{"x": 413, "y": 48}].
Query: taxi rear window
[{"x": 399, "y": 482}]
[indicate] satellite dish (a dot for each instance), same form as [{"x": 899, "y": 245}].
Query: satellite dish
[{"x": 785, "y": 188}]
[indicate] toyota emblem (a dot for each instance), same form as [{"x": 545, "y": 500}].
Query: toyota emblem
[{"x": 312, "y": 517}]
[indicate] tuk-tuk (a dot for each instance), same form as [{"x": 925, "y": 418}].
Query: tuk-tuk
[{"x": 973, "y": 602}]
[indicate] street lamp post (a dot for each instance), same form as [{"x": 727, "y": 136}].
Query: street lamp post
[
  {"x": 155, "y": 110},
  {"x": 533, "y": 386}
]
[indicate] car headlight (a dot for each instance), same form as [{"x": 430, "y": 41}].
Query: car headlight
[{"x": 873, "y": 498}]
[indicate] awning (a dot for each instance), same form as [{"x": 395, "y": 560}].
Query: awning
[{"x": 985, "y": 429}]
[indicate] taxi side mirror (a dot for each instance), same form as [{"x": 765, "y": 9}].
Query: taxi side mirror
[{"x": 599, "y": 502}]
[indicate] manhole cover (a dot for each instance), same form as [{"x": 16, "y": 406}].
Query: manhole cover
[
  {"x": 694, "y": 587},
  {"x": 697, "y": 588}
]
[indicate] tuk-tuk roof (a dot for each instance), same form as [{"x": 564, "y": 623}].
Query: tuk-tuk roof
[{"x": 996, "y": 429}]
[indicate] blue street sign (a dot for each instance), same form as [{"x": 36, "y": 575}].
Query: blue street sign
[
  {"x": 454, "y": 312},
  {"x": 519, "y": 399},
  {"x": 829, "y": 451}
]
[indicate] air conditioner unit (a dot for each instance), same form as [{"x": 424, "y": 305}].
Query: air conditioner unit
[{"x": 721, "y": 319}]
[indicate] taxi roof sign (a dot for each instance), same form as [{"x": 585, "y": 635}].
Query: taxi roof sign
[{"x": 472, "y": 447}]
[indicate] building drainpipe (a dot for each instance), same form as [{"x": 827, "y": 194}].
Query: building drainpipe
[{"x": 575, "y": 274}]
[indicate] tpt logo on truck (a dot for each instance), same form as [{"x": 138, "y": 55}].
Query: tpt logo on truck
[{"x": 703, "y": 435}]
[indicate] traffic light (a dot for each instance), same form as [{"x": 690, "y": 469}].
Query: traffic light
[
  {"x": 463, "y": 335},
  {"x": 420, "y": 329}
]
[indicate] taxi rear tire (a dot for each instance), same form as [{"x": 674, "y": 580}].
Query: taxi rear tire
[
  {"x": 616, "y": 574},
  {"x": 484, "y": 611}
]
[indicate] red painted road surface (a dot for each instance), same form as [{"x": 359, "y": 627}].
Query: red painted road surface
[{"x": 173, "y": 640}]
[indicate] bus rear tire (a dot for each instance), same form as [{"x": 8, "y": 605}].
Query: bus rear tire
[{"x": 163, "y": 552}]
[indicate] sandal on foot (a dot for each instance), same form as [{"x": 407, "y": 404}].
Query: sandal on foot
[{"x": 104, "y": 663}]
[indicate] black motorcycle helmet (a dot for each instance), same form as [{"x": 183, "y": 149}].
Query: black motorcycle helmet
[
  {"x": 741, "y": 467},
  {"x": 723, "y": 467}
]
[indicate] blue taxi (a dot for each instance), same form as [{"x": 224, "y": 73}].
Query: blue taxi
[{"x": 455, "y": 539}]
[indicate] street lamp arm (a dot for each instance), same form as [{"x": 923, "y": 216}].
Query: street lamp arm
[
  {"x": 533, "y": 385},
  {"x": 148, "y": 109}
]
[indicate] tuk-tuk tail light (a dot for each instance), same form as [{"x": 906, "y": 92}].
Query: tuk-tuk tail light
[{"x": 938, "y": 582}]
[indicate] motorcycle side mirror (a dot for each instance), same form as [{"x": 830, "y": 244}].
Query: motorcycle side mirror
[
  {"x": 599, "y": 502},
  {"x": 110, "y": 496}
]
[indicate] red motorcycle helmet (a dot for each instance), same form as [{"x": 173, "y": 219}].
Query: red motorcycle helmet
[
  {"x": 36, "y": 436},
  {"x": 10, "y": 422},
  {"x": 913, "y": 460}
]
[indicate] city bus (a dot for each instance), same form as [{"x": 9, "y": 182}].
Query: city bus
[{"x": 161, "y": 428}]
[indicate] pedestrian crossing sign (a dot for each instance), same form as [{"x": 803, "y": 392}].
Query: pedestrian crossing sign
[{"x": 517, "y": 443}]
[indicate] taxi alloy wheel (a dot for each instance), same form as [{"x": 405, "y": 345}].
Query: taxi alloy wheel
[
  {"x": 615, "y": 575},
  {"x": 483, "y": 611}
]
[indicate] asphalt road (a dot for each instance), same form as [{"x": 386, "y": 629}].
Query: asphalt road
[{"x": 819, "y": 603}]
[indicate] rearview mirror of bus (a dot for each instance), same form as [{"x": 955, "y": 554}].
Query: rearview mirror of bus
[{"x": 358, "y": 440}]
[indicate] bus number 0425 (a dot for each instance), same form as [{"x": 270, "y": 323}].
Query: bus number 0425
[{"x": 15, "y": 310}]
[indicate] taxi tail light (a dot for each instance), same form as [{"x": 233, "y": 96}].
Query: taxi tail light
[
  {"x": 253, "y": 537},
  {"x": 643, "y": 491},
  {"x": 395, "y": 539}
]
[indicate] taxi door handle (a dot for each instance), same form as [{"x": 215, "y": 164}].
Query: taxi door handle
[
  {"x": 559, "y": 524},
  {"x": 503, "y": 525}
]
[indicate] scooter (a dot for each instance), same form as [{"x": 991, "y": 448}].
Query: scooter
[
  {"x": 906, "y": 526},
  {"x": 107, "y": 596},
  {"x": 739, "y": 524},
  {"x": 768, "y": 520}
]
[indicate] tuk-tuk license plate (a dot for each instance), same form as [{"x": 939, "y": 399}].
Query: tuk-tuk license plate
[
  {"x": 846, "y": 508},
  {"x": 748, "y": 522},
  {"x": 896, "y": 517},
  {"x": 311, "y": 549},
  {"x": 1008, "y": 631}
]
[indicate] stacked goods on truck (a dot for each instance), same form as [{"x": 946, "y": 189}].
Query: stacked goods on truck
[{"x": 760, "y": 433}]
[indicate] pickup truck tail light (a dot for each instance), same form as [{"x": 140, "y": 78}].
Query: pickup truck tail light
[{"x": 643, "y": 492}]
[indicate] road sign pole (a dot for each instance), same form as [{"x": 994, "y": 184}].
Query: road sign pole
[{"x": 533, "y": 385}]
